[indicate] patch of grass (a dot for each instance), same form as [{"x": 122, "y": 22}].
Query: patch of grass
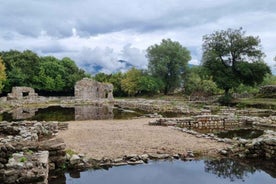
[
  {"x": 267, "y": 103},
  {"x": 23, "y": 159},
  {"x": 29, "y": 152},
  {"x": 70, "y": 152}
]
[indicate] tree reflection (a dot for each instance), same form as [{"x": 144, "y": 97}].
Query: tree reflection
[{"x": 228, "y": 168}]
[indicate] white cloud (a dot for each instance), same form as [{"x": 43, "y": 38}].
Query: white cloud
[{"x": 102, "y": 32}]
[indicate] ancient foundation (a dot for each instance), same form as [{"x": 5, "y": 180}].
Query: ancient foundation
[
  {"x": 19, "y": 93},
  {"x": 29, "y": 150}
]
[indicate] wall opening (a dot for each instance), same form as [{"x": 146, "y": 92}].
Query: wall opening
[{"x": 25, "y": 94}]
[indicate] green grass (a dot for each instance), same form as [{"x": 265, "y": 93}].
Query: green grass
[
  {"x": 23, "y": 159},
  {"x": 266, "y": 103},
  {"x": 70, "y": 152}
]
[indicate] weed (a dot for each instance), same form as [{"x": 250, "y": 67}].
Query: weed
[
  {"x": 23, "y": 159},
  {"x": 70, "y": 152}
]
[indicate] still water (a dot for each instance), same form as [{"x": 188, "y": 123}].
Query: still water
[
  {"x": 179, "y": 172},
  {"x": 58, "y": 113}
]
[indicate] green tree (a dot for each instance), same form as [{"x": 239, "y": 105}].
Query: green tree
[
  {"x": 102, "y": 77},
  {"x": 168, "y": 62},
  {"x": 2, "y": 74},
  {"x": 149, "y": 85},
  {"x": 199, "y": 83},
  {"x": 138, "y": 82},
  {"x": 45, "y": 74},
  {"x": 232, "y": 58},
  {"x": 130, "y": 83},
  {"x": 116, "y": 80},
  {"x": 72, "y": 74},
  {"x": 21, "y": 68}
]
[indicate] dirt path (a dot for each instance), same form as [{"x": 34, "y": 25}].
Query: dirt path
[{"x": 116, "y": 138}]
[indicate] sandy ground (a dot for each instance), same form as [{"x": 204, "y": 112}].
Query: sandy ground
[{"x": 116, "y": 138}]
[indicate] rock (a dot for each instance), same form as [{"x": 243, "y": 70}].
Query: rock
[
  {"x": 176, "y": 156},
  {"x": 118, "y": 160},
  {"x": 190, "y": 154},
  {"x": 119, "y": 164},
  {"x": 131, "y": 156},
  {"x": 144, "y": 157},
  {"x": 223, "y": 152},
  {"x": 135, "y": 162},
  {"x": 159, "y": 156},
  {"x": 75, "y": 159}
]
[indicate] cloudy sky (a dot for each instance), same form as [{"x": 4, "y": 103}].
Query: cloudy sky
[{"x": 98, "y": 33}]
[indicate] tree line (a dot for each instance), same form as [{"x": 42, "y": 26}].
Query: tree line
[
  {"x": 47, "y": 75},
  {"x": 231, "y": 62}
]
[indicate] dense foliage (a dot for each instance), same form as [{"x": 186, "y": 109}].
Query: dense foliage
[
  {"x": 45, "y": 74},
  {"x": 2, "y": 74},
  {"x": 199, "y": 83},
  {"x": 168, "y": 62},
  {"x": 232, "y": 58},
  {"x": 132, "y": 83}
]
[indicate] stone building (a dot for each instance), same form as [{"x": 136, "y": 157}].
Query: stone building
[
  {"x": 88, "y": 89},
  {"x": 25, "y": 93}
]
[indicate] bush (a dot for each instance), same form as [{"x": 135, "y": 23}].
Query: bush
[{"x": 226, "y": 99}]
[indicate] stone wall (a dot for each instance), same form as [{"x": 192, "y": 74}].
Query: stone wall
[
  {"x": 200, "y": 122},
  {"x": 29, "y": 149},
  {"x": 88, "y": 89},
  {"x": 268, "y": 91},
  {"x": 261, "y": 147},
  {"x": 19, "y": 93}
]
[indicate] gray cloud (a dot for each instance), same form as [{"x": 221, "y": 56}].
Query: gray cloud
[{"x": 98, "y": 33}]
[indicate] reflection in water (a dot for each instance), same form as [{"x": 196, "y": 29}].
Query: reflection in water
[
  {"x": 93, "y": 112},
  {"x": 23, "y": 113},
  {"x": 247, "y": 133},
  {"x": 177, "y": 172},
  {"x": 54, "y": 113},
  {"x": 58, "y": 113},
  {"x": 227, "y": 168}
]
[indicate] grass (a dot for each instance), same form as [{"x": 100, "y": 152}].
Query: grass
[
  {"x": 70, "y": 152},
  {"x": 267, "y": 103},
  {"x": 23, "y": 159}
]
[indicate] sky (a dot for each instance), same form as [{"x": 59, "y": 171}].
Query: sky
[{"x": 98, "y": 33}]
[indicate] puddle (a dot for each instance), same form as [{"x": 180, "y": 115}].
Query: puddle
[
  {"x": 178, "y": 172},
  {"x": 242, "y": 133}
]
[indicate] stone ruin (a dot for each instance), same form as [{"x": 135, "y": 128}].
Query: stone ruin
[
  {"x": 19, "y": 93},
  {"x": 30, "y": 150},
  {"x": 263, "y": 147},
  {"x": 88, "y": 89},
  {"x": 268, "y": 91}
]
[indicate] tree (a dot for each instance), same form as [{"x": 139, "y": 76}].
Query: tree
[
  {"x": 199, "y": 83},
  {"x": 2, "y": 74},
  {"x": 232, "y": 58},
  {"x": 21, "y": 68},
  {"x": 102, "y": 77},
  {"x": 168, "y": 62},
  {"x": 116, "y": 80},
  {"x": 130, "y": 81},
  {"x": 48, "y": 75},
  {"x": 138, "y": 82}
]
